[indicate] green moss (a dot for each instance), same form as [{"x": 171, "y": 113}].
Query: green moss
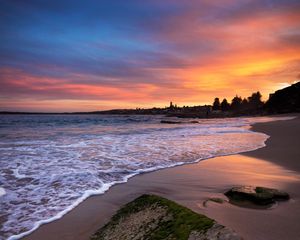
[
  {"x": 179, "y": 227},
  {"x": 260, "y": 189},
  {"x": 263, "y": 193}
]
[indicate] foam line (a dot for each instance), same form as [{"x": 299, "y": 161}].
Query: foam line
[{"x": 105, "y": 188}]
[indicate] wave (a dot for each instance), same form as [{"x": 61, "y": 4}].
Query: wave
[{"x": 90, "y": 193}]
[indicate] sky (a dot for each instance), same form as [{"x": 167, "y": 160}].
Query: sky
[{"x": 69, "y": 55}]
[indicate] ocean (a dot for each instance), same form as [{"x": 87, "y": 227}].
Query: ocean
[{"x": 51, "y": 163}]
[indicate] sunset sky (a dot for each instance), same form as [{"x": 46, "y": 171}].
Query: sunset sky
[{"x": 72, "y": 55}]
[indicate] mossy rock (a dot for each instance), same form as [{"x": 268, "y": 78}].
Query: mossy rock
[
  {"x": 256, "y": 195},
  {"x": 153, "y": 218}
]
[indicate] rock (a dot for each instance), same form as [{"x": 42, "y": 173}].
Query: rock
[
  {"x": 216, "y": 232},
  {"x": 170, "y": 122},
  {"x": 216, "y": 200},
  {"x": 176, "y": 122},
  {"x": 256, "y": 195},
  {"x": 154, "y": 217},
  {"x": 193, "y": 121}
]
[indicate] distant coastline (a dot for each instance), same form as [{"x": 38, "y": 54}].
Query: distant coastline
[{"x": 286, "y": 100}]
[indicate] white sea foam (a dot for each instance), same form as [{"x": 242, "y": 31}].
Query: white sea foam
[
  {"x": 2, "y": 191},
  {"x": 47, "y": 171},
  {"x": 17, "y": 174}
]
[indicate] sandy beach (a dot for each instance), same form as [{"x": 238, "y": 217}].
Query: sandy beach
[{"x": 277, "y": 165}]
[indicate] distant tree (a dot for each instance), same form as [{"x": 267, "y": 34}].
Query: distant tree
[
  {"x": 216, "y": 104},
  {"x": 255, "y": 99},
  {"x": 244, "y": 104},
  {"x": 255, "y": 102},
  {"x": 236, "y": 103},
  {"x": 225, "y": 105}
]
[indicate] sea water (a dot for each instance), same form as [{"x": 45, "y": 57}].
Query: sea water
[{"x": 51, "y": 163}]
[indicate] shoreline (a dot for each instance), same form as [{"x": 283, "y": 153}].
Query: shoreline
[
  {"x": 82, "y": 221},
  {"x": 277, "y": 134}
]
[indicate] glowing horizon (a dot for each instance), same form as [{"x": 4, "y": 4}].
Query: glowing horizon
[{"x": 72, "y": 56}]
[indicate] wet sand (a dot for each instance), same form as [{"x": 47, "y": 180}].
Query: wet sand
[{"x": 276, "y": 165}]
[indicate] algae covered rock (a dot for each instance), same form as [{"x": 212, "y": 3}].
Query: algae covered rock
[
  {"x": 154, "y": 217},
  {"x": 256, "y": 195},
  {"x": 216, "y": 232}
]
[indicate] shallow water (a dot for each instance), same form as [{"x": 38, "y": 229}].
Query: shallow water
[{"x": 50, "y": 163}]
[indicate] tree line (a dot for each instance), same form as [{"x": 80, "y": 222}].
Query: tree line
[{"x": 251, "y": 104}]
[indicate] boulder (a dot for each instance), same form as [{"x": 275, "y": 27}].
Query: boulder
[
  {"x": 154, "y": 217},
  {"x": 256, "y": 195}
]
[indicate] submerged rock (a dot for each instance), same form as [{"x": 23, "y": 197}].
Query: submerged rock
[
  {"x": 256, "y": 195},
  {"x": 170, "y": 122},
  {"x": 193, "y": 121},
  {"x": 176, "y": 122},
  {"x": 215, "y": 200},
  {"x": 153, "y": 217}
]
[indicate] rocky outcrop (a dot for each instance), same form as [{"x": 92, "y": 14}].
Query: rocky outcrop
[
  {"x": 216, "y": 232},
  {"x": 285, "y": 100},
  {"x": 256, "y": 195},
  {"x": 154, "y": 217}
]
